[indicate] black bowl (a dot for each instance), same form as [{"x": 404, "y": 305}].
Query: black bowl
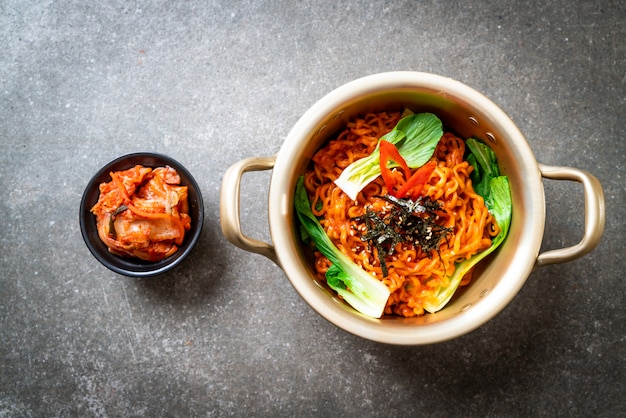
[{"x": 135, "y": 267}]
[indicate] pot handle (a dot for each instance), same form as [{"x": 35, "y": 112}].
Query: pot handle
[
  {"x": 594, "y": 214},
  {"x": 229, "y": 206}
]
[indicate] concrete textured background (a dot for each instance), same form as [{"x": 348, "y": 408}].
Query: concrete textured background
[{"x": 225, "y": 334}]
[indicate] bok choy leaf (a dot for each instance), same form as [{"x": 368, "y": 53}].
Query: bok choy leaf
[
  {"x": 496, "y": 192},
  {"x": 362, "y": 291},
  {"x": 416, "y": 137}
]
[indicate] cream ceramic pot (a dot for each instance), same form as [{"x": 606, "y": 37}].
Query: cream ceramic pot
[{"x": 469, "y": 114}]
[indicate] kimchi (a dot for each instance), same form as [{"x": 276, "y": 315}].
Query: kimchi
[{"x": 143, "y": 212}]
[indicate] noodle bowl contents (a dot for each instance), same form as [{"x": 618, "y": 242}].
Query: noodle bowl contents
[
  {"x": 143, "y": 212},
  {"x": 416, "y": 224}
]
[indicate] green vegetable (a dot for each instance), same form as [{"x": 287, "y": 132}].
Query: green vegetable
[
  {"x": 496, "y": 192},
  {"x": 416, "y": 137},
  {"x": 362, "y": 291},
  {"x": 112, "y": 231},
  {"x": 485, "y": 164}
]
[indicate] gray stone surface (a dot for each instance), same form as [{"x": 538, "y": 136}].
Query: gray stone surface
[{"x": 211, "y": 83}]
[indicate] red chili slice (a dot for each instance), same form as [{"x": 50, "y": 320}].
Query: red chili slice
[
  {"x": 413, "y": 187},
  {"x": 389, "y": 153}
]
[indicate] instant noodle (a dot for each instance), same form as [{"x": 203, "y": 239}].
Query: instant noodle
[{"x": 413, "y": 273}]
